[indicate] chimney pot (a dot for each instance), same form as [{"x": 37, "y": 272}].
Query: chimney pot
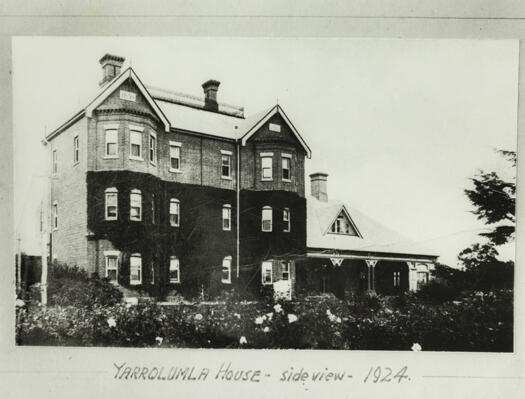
[
  {"x": 210, "y": 88},
  {"x": 318, "y": 182},
  {"x": 111, "y": 66}
]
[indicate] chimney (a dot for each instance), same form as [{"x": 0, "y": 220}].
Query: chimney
[
  {"x": 210, "y": 88},
  {"x": 318, "y": 186},
  {"x": 111, "y": 65}
]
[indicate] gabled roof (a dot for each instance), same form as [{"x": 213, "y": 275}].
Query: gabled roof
[
  {"x": 115, "y": 83},
  {"x": 343, "y": 211},
  {"x": 254, "y": 125},
  {"x": 375, "y": 237}
]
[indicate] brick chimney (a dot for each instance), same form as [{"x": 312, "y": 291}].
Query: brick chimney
[
  {"x": 111, "y": 65},
  {"x": 210, "y": 88},
  {"x": 318, "y": 186}
]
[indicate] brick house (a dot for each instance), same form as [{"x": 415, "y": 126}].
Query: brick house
[{"x": 164, "y": 193}]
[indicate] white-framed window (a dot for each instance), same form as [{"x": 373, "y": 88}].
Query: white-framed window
[
  {"x": 266, "y": 166},
  {"x": 286, "y": 220},
  {"x": 285, "y": 264},
  {"x": 422, "y": 279},
  {"x": 266, "y": 272},
  {"x": 174, "y": 212},
  {"x": 286, "y": 161},
  {"x": 226, "y": 276},
  {"x": 174, "y": 270},
  {"x": 135, "y": 269},
  {"x": 111, "y": 203},
  {"x": 135, "y": 205},
  {"x": 397, "y": 279},
  {"x": 153, "y": 148},
  {"x": 266, "y": 218},
  {"x": 112, "y": 262},
  {"x": 76, "y": 149},
  {"x": 226, "y": 164},
  {"x": 342, "y": 225},
  {"x": 175, "y": 156},
  {"x": 135, "y": 142},
  {"x": 227, "y": 217},
  {"x": 111, "y": 142},
  {"x": 153, "y": 210},
  {"x": 55, "y": 162},
  {"x": 55, "y": 215},
  {"x": 274, "y": 127}
]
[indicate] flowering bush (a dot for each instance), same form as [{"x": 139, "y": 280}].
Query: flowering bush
[{"x": 475, "y": 322}]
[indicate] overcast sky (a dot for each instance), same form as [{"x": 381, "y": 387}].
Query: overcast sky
[{"x": 399, "y": 125}]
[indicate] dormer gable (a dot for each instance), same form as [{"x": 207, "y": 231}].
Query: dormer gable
[{"x": 343, "y": 224}]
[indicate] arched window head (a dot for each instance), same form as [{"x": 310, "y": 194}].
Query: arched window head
[
  {"x": 227, "y": 217},
  {"x": 174, "y": 270},
  {"x": 111, "y": 203},
  {"x": 226, "y": 277},
  {"x": 135, "y": 205},
  {"x": 174, "y": 212}
]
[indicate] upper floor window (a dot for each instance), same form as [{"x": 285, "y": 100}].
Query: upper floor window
[
  {"x": 111, "y": 143},
  {"x": 175, "y": 156},
  {"x": 285, "y": 265},
  {"x": 76, "y": 149},
  {"x": 135, "y": 269},
  {"x": 266, "y": 272},
  {"x": 174, "y": 212},
  {"x": 55, "y": 161},
  {"x": 135, "y": 205},
  {"x": 274, "y": 127},
  {"x": 112, "y": 261},
  {"x": 227, "y": 217},
  {"x": 153, "y": 148},
  {"x": 286, "y": 220},
  {"x": 266, "y": 166},
  {"x": 397, "y": 279},
  {"x": 135, "y": 142},
  {"x": 266, "y": 223},
  {"x": 342, "y": 225},
  {"x": 111, "y": 195},
  {"x": 286, "y": 167},
  {"x": 226, "y": 277},
  {"x": 55, "y": 215},
  {"x": 226, "y": 160},
  {"x": 174, "y": 270}
]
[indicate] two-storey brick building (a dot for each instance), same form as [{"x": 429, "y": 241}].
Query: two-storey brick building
[{"x": 163, "y": 192}]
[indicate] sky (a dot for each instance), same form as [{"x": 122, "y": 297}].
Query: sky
[{"x": 399, "y": 125}]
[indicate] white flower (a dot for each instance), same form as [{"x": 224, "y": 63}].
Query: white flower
[
  {"x": 278, "y": 308},
  {"x": 416, "y": 347},
  {"x": 338, "y": 320},
  {"x": 19, "y": 303},
  {"x": 159, "y": 340},
  {"x": 237, "y": 315},
  {"x": 269, "y": 315},
  {"x": 259, "y": 320},
  {"x": 198, "y": 316},
  {"x": 266, "y": 329},
  {"x": 112, "y": 322},
  {"x": 292, "y": 318},
  {"x": 328, "y": 313},
  {"x": 242, "y": 340}
]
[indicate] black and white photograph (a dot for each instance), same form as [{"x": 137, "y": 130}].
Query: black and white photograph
[{"x": 352, "y": 194}]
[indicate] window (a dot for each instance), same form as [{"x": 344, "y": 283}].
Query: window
[
  {"x": 226, "y": 160},
  {"x": 422, "y": 279},
  {"x": 285, "y": 270},
  {"x": 286, "y": 220},
  {"x": 112, "y": 258},
  {"x": 55, "y": 215},
  {"x": 342, "y": 225},
  {"x": 227, "y": 270},
  {"x": 174, "y": 270},
  {"x": 266, "y": 218},
  {"x": 75, "y": 149},
  {"x": 227, "y": 217},
  {"x": 174, "y": 156},
  {"x": 55, "y": 162},
  {"x": 266, "y": 167},
  {"x": 274, "y": 127},
  {"x": 153, "y": 148},
  {"x": 111, "y": 143},
  {"x": 135, "y": 269},
  {"x": 266, "y": 273},
  {"x": 153, "y": 215},
  {"x": 174, "y": 212},
  {"x": 135, "y": 141},
  {"x": 135, "y": 205},
  {"x": 397, "y": 279},
  {"x": 111, "y": 203},
  {"x": 286, "y": 161}
]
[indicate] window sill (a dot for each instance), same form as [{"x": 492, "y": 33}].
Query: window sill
[
  {"x": 76, "y": 163},
  {"x": 174, "y": 282},
  {"x": 175, "y": 170},
  {"x": 266, "y": 231},
  {"x": 136, "y": 158},
  {"x": 226, "y": 178},
  {"x": 136, "y": 283},
  {"x": 267, "y": 179},
  {"x": 153, "y": 163},
  {"x": 135, "y": 220},
  {"x": 110, "y": 157},
  {"x": 226, "y": 229},
  {"x": 110, "y": 219},
  {"x": 287, "y": 180},
  {"x": 226, "y": 282}
]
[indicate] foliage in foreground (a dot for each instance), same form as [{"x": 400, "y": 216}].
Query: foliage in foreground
[{"x": 477, "y": 322}]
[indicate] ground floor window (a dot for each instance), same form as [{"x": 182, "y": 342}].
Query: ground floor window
[
  {"x": 135, "y": 269},
  {"x": 266, "y": 271},
  {"x": 174, "y": 270},
  {"x": 285, "y": 270},
  {"x": 227, "y": 270},
  {"x": 111, "y": 265},
  {"x": 397, "y": 279},
  {"x": 422, "y": 278}
]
